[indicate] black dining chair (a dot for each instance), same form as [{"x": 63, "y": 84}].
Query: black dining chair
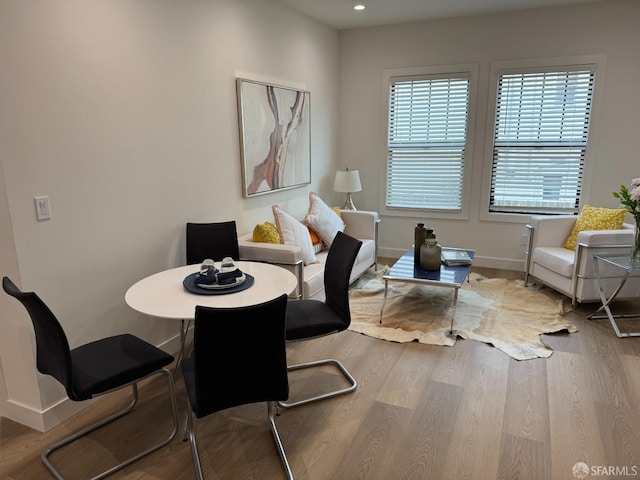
[
  {"x": 239, "y": 357},
  {"x": 308, "y": 319},
  {"x": 94, "y": 369},
  {"x": 212, "y": 240}
]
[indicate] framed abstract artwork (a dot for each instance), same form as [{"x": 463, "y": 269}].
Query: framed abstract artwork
[{"x": 275, "y": 136}]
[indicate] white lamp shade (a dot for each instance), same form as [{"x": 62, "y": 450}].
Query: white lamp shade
[{"x": 347, "y": 181}]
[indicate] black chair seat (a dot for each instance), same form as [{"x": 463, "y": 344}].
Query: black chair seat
[
  {"x": 311, "y": 318},
  {"x": 130, "y": 358}
]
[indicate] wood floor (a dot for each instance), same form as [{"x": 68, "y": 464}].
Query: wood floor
[{"x": 420, "y": 412}]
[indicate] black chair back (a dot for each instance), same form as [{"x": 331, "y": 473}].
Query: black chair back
[
  {"x": 337, "y": 272},
  {"x": 212, "y": 240},
  {"x": 239, "y": 356},
  {"x": 53, "y": 355}
]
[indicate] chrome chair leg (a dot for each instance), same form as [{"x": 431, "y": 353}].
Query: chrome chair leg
[
  {"x": 276, "y": 439},
  {"x": 274, "y": 431},
  {"x": 56, "y": 473},
  {"x": 194, "y": 447},
  {"x": 334, "y": 393}
]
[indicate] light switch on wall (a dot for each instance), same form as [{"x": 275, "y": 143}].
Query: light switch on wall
[{"x": 43, "y": 209}]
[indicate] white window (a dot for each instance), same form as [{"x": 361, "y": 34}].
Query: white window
[
  {"x": 541, "y": 130},
  {"x": 427, "y": 141}
]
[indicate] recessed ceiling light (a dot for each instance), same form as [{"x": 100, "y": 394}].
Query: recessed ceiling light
[{"x": 359, "y": 7}]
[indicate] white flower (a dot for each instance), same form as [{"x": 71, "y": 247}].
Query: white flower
[
  {"x": 635, "y": 182},
  {"x": 635, "y": 193}
]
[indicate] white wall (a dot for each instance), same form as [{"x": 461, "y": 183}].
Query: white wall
[
  {"x": 124, "y": 114},
  {"x": 609, "y": 28}
]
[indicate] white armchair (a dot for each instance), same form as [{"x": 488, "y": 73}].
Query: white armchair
[{"x": 571, "y": 272}]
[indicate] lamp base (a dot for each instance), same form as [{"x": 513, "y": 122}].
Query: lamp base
[{"x": 348, "y": 204}]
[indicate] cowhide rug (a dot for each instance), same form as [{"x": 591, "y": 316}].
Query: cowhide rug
[{"x": 503, "y": 313}]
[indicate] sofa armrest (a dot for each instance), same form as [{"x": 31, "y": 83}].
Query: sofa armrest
[
  {"x": 360, "y": 224},
  {"x": 546, "y": 231},
  {"x": 289, "y": 256},
  {"x": 600, "y": 238},
  {"x": 602, "y": 242},
  {"x": 268, "y": 252}
]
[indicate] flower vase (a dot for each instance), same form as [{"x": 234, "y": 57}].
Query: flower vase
[{"x": 635, "y": 249}]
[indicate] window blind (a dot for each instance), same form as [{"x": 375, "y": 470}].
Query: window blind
[
  {"x": 426, "y": 141},
  {"x": 540, "y": 140}
]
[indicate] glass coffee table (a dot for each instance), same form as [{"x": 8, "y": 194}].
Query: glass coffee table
[{"x": 404, "y": 270}]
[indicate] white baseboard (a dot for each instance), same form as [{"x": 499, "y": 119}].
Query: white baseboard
[{"x": 43, "y": 420}]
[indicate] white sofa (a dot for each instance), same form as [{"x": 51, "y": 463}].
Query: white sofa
[
  {"x": 572, "y": 272},
  {"x": 362, "y": 225}
]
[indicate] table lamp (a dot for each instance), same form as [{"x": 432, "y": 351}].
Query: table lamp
[{"x": 347, "y": 181}]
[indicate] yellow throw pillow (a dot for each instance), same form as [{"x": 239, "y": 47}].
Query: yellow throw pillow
[
  {"x": 266, "y": 233},
  {"x": 594, "y": 218}
]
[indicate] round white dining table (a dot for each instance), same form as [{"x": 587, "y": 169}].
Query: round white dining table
[{"x": 163, "y": 294}]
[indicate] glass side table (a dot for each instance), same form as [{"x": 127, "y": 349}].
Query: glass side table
[{"x": 619, "y": 261}]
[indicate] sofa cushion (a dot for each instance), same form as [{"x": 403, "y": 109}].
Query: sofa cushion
[
  {"x": 556, "y": 259},
  {"x": 314, "y": 277},
  {"x": 292, "y": 232},
  {"x": 593, "y": 218},
  {"x": 323, "y": 220},
  {"x": 367, "y": 251}
]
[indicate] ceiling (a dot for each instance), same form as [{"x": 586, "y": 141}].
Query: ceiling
[{"x": 340, "y": 14}]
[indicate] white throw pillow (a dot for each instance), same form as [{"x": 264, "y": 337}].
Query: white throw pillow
[
  {"x": 323, "y": 220},
  {"x": 292, "y": 232}
]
